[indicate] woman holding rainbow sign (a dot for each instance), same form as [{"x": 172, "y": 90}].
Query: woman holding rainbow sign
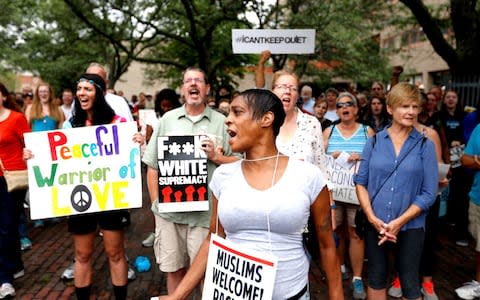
[{"x": 91, "y": 109}]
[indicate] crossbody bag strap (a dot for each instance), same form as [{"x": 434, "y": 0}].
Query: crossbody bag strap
[
  {"x": 396, "y": 167},
  {"x": 2, "y": 167}
]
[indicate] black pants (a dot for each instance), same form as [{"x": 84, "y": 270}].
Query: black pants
[
  {"x": 10, "y": 253},
  {"x": 427, "y": 262},
  {"x": 458, "y": 200}
]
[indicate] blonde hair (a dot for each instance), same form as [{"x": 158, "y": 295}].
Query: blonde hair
[
  {"x": 281, "y": 73},
  {"x": 36, "y": 111},
  {"x": 403, "y": 92}
]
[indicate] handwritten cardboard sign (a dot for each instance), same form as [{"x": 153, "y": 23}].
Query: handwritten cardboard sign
[
  {"x": 83, "y": 170},
  {"x": 342, "y": 178}
]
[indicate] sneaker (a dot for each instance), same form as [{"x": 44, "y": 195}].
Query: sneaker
[
  {"x": 131, "y": 274},
  {"x": 6, "y": 290},
  {"x": 148, "y": 242},
  {"x": 395, "y": 290},
  {"x": 25, "y": 244},
  {"x": 428, "y": 291},
  {"x": 358, "y": 290},
  {"x": 19, "y": 274},
  {"x": 69, "y": 272},
  {"x": 344, "y": 272},
  {"x": 469, "y": 290},
  {"x": 462, "y": 243}
]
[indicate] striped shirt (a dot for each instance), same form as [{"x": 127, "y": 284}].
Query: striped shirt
[{"x": 353, "y": 144}]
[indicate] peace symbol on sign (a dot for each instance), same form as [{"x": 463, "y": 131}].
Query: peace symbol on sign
[{"x": 81, "y": 198}]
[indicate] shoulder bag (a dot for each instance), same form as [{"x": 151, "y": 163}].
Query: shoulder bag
[{"x": 16, "y": 180}]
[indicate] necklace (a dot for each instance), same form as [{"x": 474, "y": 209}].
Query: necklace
[{"x": 263, "y": 158}]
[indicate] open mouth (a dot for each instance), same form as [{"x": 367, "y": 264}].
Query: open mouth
[
  {"x": 194, "y": 91},
  {"x": 231, "y": 133}
]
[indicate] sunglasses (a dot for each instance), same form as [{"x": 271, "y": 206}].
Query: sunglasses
[{"x": 345, "y": 104}]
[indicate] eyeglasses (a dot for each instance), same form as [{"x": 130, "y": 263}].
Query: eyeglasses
[
  {"x": 28, "y": 95},
  {"x": 284, "y": 87},
  {"x": 193, "y": 80},
  {"x": 345, "y": 104}
]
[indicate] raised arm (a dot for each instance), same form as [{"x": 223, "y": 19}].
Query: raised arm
[{"x": 260, "y": 70}]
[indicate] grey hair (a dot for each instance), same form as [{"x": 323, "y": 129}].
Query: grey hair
[
  {"x": 99, "y": 65},
  {"x": 348, "y": 95}
]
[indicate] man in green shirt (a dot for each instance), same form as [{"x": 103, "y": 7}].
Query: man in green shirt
[{"x": 179, "y": 235}]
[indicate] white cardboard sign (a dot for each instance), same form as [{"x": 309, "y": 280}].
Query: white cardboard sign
[
  {"x": 236, "y": 272},
  {"x": 277, "y": 41},
  {"x": 84, "y": 170},
  {"x": 342, "y": 178}
]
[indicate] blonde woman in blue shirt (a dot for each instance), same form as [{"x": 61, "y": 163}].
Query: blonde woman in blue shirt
[{"x": 396, "y": 184}]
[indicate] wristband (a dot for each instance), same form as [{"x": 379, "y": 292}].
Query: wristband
[{"x": 333, "y": 206}]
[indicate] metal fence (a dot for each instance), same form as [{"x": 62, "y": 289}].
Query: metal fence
[{"x": 467, "y": 88}]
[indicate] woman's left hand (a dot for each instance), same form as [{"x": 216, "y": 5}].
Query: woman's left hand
[
  {"x": 138, "y": 138},
  {"x": 208, "y": 146}
]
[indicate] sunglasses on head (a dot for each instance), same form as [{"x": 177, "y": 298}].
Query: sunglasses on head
[{"x": 345, "y": 104}]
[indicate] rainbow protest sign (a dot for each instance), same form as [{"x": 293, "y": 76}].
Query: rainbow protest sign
[{"x": 83, "y": 170}]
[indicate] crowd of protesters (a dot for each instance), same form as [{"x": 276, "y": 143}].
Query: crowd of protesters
[{"x": 389, "y": 134}]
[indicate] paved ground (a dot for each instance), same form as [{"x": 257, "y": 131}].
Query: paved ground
[{"x": 52, "y": 252}]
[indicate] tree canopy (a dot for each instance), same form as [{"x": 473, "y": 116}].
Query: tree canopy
[{"x": 57, "y": 39}]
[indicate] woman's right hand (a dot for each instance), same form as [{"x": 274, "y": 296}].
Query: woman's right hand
[{"x": 27, "y": 154}]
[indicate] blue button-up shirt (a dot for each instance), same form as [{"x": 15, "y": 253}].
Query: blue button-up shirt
[{"x": 415, "y": 180}]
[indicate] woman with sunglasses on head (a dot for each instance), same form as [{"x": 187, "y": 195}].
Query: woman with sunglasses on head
[
  {"x": 396, "y": 184},
  {"x": 348, "y": 136},
  {"x": 270, "y": 181}
]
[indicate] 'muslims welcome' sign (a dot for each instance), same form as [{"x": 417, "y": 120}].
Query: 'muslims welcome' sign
[{"x": 84, "y": 170}]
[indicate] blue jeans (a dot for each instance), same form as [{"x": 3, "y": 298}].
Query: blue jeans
[
  {"x": 10, "y": 253},
  {"x": 407, "y": 252}
]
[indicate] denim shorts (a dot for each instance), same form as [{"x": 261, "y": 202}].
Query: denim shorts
[{"x": 407, "y": 252}]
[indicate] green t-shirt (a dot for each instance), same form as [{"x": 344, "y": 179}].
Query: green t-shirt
[{"x": 177, "y": 122}]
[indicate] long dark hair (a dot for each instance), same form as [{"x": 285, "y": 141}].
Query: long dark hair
[
  {"x": 262, "y": 101},
  {"x": 384, "y": 116},
  {"x": 459, "y": 112},
  {"x": 102, "y": 112},
  {"x": 10, "y": 101}
]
